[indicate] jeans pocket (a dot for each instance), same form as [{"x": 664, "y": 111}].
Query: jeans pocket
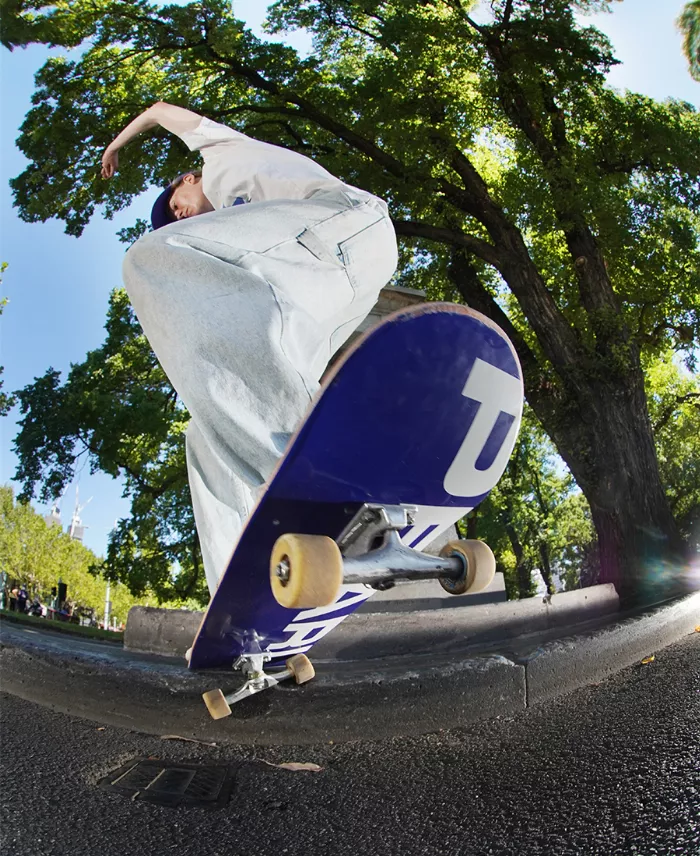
[
  {"x": 323, "y": 251},
  {"x": 370, "y": 257}
]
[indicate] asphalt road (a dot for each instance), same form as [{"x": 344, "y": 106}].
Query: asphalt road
[{"x": 609, "y": 769}]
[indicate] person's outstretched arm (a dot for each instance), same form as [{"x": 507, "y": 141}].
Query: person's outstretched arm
[{"x": 170, "y": 117}]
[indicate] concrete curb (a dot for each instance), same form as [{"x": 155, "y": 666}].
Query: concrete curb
[
  {"x": 393, "y": 695},
  {"x": 170, "y": 632},
  {"x": 413, "y": 596},
  {"x": 566, "y": 664},
  {"x": 456, "y": 632}
]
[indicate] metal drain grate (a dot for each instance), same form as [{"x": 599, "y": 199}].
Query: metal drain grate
[{"x": 171, "y": 783}]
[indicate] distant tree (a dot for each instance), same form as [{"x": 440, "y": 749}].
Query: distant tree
[
  {"x": 689, "y": 23},
  {"x": 674, "y": 407},
  {"x": 536, "y": 520},
  {"x": 38, "y": 555}
]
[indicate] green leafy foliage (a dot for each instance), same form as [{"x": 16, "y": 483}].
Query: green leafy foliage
[
  {"x": 536, "y": 520},
  {"x": 519, "y": 184},
  {"x": 118, "y": 409},
  {"x": 689, "y": 23},
  {"x": 674, "y": 409}
]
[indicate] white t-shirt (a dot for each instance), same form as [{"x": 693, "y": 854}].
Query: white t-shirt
[{"x": 238, "y": 168}]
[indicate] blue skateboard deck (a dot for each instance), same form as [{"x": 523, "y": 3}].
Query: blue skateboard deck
[{"x": 422, "y": 411}]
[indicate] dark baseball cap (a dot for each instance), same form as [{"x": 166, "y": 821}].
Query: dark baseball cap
[{"x": 161, "y": 213}]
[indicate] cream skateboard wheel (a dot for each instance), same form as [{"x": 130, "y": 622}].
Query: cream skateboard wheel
[
  {"x": 216, "y": 704},
  {"x": 480, "y": 567},
  {"x": 306, "y": 571},
  {"x": 301, "y": 667}
]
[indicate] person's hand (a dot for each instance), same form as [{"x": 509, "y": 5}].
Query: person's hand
[{"x": 110, "y": 162}]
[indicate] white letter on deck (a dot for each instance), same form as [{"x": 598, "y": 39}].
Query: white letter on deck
[{"x": 497, "y": 392}]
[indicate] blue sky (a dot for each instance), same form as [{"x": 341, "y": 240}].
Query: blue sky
[{"x": 58, "y": 286}]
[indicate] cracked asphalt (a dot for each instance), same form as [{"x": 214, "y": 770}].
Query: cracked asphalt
[{"x": 608, "y": 769}]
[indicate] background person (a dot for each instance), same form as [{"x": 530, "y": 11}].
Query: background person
[{"x": 22, "y": 598}]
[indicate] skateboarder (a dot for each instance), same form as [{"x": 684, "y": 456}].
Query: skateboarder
[{"x": 259, "y": 267}]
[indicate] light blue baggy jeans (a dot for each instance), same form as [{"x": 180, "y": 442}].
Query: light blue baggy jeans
[{"x": 243, "y": 308}]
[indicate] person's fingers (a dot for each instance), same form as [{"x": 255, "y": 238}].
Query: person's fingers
[{"x": 108, "y": 165}]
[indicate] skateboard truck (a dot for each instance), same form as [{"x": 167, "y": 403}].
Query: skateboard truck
[
  {"x": 257, "y": 679},
  {"x": 306, "y": 571},
  {"x": 373, "y": 553}
]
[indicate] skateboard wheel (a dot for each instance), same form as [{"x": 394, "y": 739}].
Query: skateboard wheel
[
  {"x": 480, "y": 567},
  {"x": 188, "y": 655},
  {"x": 306, "y": 571},
  {"x": 301, "y": 667},
  {"x": 216, "y": 704}
]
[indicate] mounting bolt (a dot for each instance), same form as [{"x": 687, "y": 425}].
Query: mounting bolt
[{"x": 282, "y": 571}]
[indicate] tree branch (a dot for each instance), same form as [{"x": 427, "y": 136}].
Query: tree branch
[
  {"x": 466, "y": 280},
  {"x": 546, "y": 397},
  {"x": 671, "y": 409},
  {"x": 595, "y": 288},
  {"x": 414, "y": 229},
  {"x": 627, "y": 166},
  {"x": 154, "y": 492},
  {"x": 323, "y": 120}
]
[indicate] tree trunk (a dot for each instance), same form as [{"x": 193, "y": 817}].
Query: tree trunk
[
  {"x": 641, "y": 550},
  {"x": 594, "y": 410},
  {"x": 523, "y": 569},
  {"x": 546, "y": 568}
]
